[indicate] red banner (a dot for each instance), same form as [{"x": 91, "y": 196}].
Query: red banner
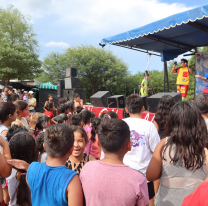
[{"x": 99, "y": 110}]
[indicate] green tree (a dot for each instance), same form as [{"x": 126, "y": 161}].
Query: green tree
[
  {"x": 54, "y": 67},
  {"x": 18, "y": 46},
  {"x": 97, "y": 67}
]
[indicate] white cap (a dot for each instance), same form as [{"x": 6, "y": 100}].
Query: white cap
[{"x": 31, "y": 92}]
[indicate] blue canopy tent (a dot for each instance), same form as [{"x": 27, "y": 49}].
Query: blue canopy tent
[{"x": 168, "y": 37}]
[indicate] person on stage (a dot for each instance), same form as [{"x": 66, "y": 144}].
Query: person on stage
[
  {"x": 183, "y": 77},
  {"x": 205, "y": 90},
  {"x": 144, "y": 87}
]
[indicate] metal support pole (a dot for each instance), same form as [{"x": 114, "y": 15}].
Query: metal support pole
[
  {"x": 196, "y": 51},
  {"x": 166, "y": 73},
  {"x": 164, "y": 80}
]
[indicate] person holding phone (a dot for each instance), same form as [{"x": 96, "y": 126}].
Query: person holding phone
[{"x": 183, "y": 77}]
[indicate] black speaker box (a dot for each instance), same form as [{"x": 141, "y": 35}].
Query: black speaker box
[
  {"x": 71, "y": 82},
  {"x": 75, "y": 82},
  {"x": 154, "y": 100},
  {"x": 60, "y": 87},
  {"x": 116, "y": 101},
  {"x": 71, "y": 72},
  {"x": 68, "y": 94},
  {"x": 100, "y": 99},
  {"x": 144, "y": 98}
]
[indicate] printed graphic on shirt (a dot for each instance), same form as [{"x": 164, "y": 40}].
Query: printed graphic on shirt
[{"x": 137, "y": 139}]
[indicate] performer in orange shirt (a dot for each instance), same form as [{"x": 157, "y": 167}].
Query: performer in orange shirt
[{"x": 183, "y": 77}]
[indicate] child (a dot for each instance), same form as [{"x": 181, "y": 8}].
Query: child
[
  {"x": 8, "y": 114},
  {"x": 113, "y": 115},
  {"x": 62, "y": 119},
  {"x": 201, "y": 101},
  {"x": 50, "y": 100},
  {"x": 42, "y": 124},
  {"x": 5, "y": 169},
  {"x": 39, "y": 143},
  {"x": 144, "y": 137},
  {"x": 78, "y": 158},
  {"x": 61, "y": 101},
  {"x": 77, "y": 100},
  {"x": 22, "y": 112},
  {"x": 49, "y": 110},
  {"x": 86, "y": 117},
  {"x": 144, "y": 87},
  {"x": 28, "y": 153},
  {"x": 95, "y": 149},
  {"x": 79, "y": 109},
  {"x": 109, "y": 181},
  {"x": 12, "y": 98},
  {"x": 25, "y": 97},
  {"x": 64, "y": 108},
  {"x": 92, "y": 114},
  {"x": 51, "y": 183},
  {"x": 76, "y": 120}
]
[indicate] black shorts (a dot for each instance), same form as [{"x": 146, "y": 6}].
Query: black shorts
[{"x": 151, "y": 190}]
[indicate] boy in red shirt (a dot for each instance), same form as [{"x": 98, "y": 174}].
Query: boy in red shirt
[{"x": 49, "y": 112}]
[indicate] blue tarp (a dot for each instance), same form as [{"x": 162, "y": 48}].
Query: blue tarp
[{"x": 170, "y": 36}]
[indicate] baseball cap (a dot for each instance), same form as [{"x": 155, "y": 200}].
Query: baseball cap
[{"x": 31, "y": 92}]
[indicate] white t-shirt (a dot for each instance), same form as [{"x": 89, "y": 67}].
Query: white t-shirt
[{"x": 144, "y": 138}]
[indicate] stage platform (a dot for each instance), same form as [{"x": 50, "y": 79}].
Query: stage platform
[{"x": 99, "y": 110}]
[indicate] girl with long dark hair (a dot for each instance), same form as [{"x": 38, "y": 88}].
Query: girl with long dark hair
[
  {"x": 86, "y": 117},
  {"x": 179, "y": 160},
  {"x": 161, "y": 116},
  {"x": 95, "y": 149},
  {"x": 22, "y": 146}
]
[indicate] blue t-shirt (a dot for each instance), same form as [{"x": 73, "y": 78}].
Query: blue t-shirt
[
  {"x": 206, "y": 76},
  {"x": 48, "y": 184}
]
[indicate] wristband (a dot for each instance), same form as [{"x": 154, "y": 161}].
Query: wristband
[{"x": 32, "y": 129}]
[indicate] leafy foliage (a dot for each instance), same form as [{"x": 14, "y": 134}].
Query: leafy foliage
[{"x": 17, "y": 46}]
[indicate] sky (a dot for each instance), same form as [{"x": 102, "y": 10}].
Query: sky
[{"x": 60, "y": 24}]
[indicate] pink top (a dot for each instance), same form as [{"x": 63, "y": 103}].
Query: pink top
[
  {"x": 107, "y": 184},
  {"x": 94, "y": 149},
  {"x": 89, "y": 145}
]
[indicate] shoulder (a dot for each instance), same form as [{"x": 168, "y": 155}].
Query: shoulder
[
  {"x": 17, "y": 123},
  {"x": 32, "y": 170},
  {"x": 34, "y": 165},
  {"x": 91, "y": 158},
  {"x": 88, "y": 167}
]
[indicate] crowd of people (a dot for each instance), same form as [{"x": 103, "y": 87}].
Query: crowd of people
[{"x": 68, "y": 156}]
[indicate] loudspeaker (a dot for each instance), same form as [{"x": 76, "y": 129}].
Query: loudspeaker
[
  {"x": 71, "y": 82},
  {"x": 100, "y": 98},
  {"x": 60, "y": 88},
  {"x": 144, "y": 98},
  {"x": 71, "y": 72},
  {"x": 154, "y": 100},
  {"x": 116, "y": 101},
  {"x": 68, "y": 94}
]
